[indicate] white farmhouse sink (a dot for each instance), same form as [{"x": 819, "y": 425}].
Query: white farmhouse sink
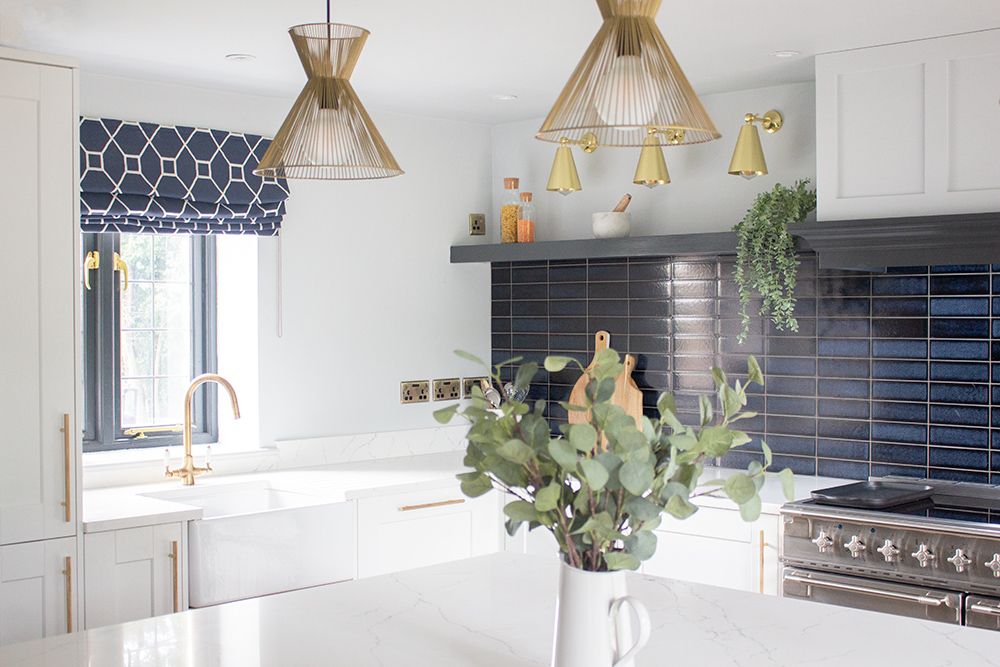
[{"x": 255, "y": 540}]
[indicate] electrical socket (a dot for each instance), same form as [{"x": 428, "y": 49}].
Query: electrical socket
[
  {"x": 414, "y": 391},
  {"x": 477, "y": 224},
  {"x": 468, "y": 383},
  {"x": 448, "y": 389}
]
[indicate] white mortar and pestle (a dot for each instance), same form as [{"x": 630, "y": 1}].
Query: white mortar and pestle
[{"x": 614, "y": 224}]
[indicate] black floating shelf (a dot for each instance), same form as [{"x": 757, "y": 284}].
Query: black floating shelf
[
  {"x": 710, "y": 243},
  {"x": 870, "y": 245}
]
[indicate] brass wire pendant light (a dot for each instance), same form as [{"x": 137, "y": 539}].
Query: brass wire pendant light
[
  {"x": 328, "y": 134},
  {"x": 628, "y": 83}
]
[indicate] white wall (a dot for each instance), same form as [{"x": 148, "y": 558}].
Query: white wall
[
  {"x": 701, "y": 195},
  {"x": 370, "y": 298}
]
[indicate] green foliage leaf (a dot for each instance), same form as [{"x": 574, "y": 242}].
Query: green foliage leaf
[
  {"x": 715, "y": 440},
  {"x": 618, "y": 560},
  {"x": 555, "y": 364},
  {"x": 520, "y": 511},
  {"x": 636, "y": 476},
  {"x": 642, "y": 509},
  {"x": 750, "y": 510},
  {"x": 680, "y": 507},
  {"x": 468, "y": 356},
  {"x": 475, "y": 484},
  {"x": 754, "y": 373},
  {"x": 547, "y": 497},
  {"x": 595, "y": 473},
  {"x": 768, "y": 455},
  {"x": 525, "y": 374},
  {"x": 740, "y": 488},
  {"x": 705, "y": 409},
  {"x": 444, "y": 415},
  {"x": 516, "y": 451},
  {"x": 563, "y": 454},
  {"x": 642, "y": 544},
  {"x": 583, "y": 437},
  {"x": 787, "y": 483},
  {"x": 719, "y": 376}
]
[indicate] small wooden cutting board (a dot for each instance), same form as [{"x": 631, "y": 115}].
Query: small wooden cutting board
[
  {"x": 602, "y": 340},
  {"x": 627, "y": 395}
]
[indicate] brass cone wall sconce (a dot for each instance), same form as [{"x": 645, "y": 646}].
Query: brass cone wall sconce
[
  {"x": 627, "y": 82},
  {"x": 652, "y": 168},
  {"x": 748, "y": 156},
  {"x": 563, "y": 178},
  {"x": 328, "y": 134}
]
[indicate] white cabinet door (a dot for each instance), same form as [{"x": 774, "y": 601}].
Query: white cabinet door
[
  {"x": 38, "y": 177},
  {"x": 38, "y": 584},
  {"x": 715, "y": 546},
  {"x": 407, "y": 530},
  {"x": 134, "y": 573},
  {"x": 909, "y": 129}
]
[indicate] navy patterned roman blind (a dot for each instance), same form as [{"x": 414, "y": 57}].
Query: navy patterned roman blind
[{"x": 165, "y": 179}]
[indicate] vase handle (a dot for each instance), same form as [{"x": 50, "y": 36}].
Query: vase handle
[{"x": 644, "y": 626}]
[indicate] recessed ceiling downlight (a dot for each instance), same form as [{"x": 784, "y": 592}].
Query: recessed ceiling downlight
[
  {"x": 504, "y": 97},
  {"x": 241, "y": 57},
  {"x": 788, "y": 53}
]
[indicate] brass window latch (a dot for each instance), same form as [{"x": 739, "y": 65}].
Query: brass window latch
[
  {"x": 143, "y": 432},
  {"x": 122, "y": 266},
  {"x": 91, "y": 263}
]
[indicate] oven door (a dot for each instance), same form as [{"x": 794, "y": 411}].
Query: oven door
[
  {"x": 858, "y": 593},
  {"x": 982, "y": 612}
]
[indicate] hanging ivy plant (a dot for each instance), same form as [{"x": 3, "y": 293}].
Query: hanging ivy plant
[{"x": 765, "y": 253}]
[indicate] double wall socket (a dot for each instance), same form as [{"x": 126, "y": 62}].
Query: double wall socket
[
  {"x": 477, "y": 224},
  {"x": 468, "y": 383},
  {"x": 449, "y": 389},
  {"x": 414, "y": 391}
]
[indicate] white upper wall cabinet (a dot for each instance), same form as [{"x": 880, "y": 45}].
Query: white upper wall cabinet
[
  {"x": 38, "y": 186},
  {"x": 909, "y": 129}
]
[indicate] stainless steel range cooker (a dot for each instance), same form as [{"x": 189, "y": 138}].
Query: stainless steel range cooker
[{"x": 937, "y": 558}]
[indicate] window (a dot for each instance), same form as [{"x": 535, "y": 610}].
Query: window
[{"x": 143, "y": 343}]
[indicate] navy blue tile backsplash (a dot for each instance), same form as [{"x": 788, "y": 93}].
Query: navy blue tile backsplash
[{"x": 895, "y": 373}]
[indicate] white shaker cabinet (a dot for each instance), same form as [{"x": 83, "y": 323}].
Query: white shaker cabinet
[
  {"x": 407, "y": 530},
  {"x": 715, "y": 546},
  {"x": 38, "y": 395},
  {"x": 134, "y": 573},
  {"x": 38, "y": 589},
  {"x": 909, "y": 129}
]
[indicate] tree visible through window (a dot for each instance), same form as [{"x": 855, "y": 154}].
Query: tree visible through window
[{"x": 145, "y": 341}]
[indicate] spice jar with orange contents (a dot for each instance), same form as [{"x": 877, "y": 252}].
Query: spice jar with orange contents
[
  {"x": 526, "y": 221},
  {"x": 510, "y": 211}
]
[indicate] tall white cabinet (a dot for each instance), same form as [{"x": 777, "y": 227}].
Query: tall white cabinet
[
  {"x": 39, "y": 396},
  {"x": 909, "y": 129}
]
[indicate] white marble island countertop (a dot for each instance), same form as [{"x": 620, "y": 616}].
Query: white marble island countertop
[{"x": 497, "y": 611}]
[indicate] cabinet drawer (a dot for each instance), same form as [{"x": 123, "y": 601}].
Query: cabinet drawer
[
  {"x": 402, "y": 531},
  {"x": 710, "y": 522}
]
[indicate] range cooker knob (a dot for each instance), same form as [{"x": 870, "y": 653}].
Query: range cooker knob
[
  {"x": 960, "y": 561},
  {"x": 994, "y": 565},
  {"x": 923, "y": 555},
  {"x": 855, "y": 546},
  {"x": 823, "y": 541},
  {"x": 889, "y": 552}
]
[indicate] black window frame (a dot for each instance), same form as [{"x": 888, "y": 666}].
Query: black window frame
[{"x": 102, "y": 344}]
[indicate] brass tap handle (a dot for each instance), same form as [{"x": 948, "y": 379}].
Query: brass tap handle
[
  {"x": 122, "y": 265},
  {"x": 91, "y": 263}
]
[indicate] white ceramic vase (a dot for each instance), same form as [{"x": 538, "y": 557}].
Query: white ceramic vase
[
  {"x": 612, "y": 224},
  {"x": 593, "y": 625}
]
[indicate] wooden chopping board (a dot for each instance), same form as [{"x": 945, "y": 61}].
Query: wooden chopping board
[{"x": 626, "y": 396}]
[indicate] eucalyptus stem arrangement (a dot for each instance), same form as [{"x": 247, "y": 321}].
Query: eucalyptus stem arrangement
[
  {"x": 765, "y": 254},
  {"x": 601, "y": 486}
]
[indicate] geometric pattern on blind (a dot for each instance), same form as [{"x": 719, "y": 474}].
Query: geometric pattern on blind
[{"x": 165, "y": 179}]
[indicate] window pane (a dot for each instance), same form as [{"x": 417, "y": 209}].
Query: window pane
[{"x": 155, "y": 329}]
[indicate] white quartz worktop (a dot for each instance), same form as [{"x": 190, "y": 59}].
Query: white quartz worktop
[
  {"x": 497, "y": 611},
  {"x": 127, "y": 507}
]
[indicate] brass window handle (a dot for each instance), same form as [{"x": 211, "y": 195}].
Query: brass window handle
[
  {"x": 122, "y": 265},
  {"x": 425, "y": 506},
  {"x": 91, "y": 263}
]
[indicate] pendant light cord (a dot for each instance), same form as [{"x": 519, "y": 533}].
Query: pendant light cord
[{"x": 327, "y": 11}]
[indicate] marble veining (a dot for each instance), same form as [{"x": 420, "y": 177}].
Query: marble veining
[
  {"x": 497, "y": 611},
  {"x": 336, "y": 449}
]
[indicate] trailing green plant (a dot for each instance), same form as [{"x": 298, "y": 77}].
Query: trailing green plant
[
  {"x": 601, "y": 486},
  {"x": 765, "y": 253}
]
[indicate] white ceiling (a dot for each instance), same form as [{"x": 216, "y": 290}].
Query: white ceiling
[{"x": 447, "y": 58}]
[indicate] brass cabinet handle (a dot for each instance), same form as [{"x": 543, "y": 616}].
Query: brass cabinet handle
[
  {"x": 424, "y": 506},
  {"x": 761, "y": 561},
  {"x": 67, "y": 467},
  {"x": 91, "y": 263},
  {"x": 122, "y": 265},
  {"x": 68, "y": 573},
  {"x": 175, "y": 572}
]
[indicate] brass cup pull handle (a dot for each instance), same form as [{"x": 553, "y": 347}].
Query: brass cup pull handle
[
  {"x": 175, "y": 573},
  {"x": 91, "y": 263},
  {"x": 67, "y": 468},
  {"x": 425, "y": 506},
  {"x": 122, "y": 266},
  {"x": 68, "y": 573}
]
